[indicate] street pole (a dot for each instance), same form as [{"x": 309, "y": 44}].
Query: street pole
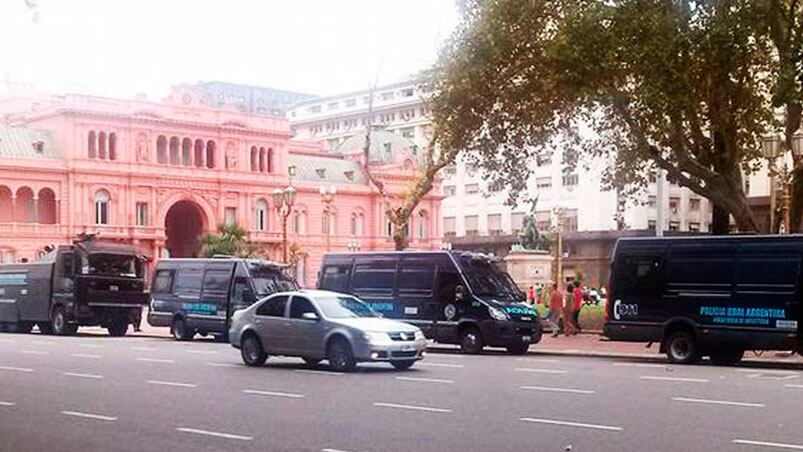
[
  {"x": 284, "y": 235},
  {"x": 659, "y": 202}
]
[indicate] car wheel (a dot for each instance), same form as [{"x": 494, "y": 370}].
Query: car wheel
[
  {"x": 471, "y": 341},
  {"x": 311, "y": 362},
  {"x": 402, "y": 365},
  {"x": 59, "y": 324},
  {"x": 252, "y": 352},
  {"x": 681, "y": 348},
  {"x": 727, "y": 356},
  {"x": 181, "y": 331},
  {"x": 118, "y": 327},
  {"x": 340, "y": 356},
  {"x": 518, "y": 348}
]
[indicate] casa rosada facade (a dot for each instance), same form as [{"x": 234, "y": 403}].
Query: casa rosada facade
[{"x": 160, "y": 175}]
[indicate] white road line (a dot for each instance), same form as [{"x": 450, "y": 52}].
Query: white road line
[
  {"x": 682, "y": 379},
  {"x": 794, "y": 386},
  {"x": 89, "y": 346},
  {"x": 447, "y": 365},
  {"x": 157, "y": 360},
  {"x": 748, "y": 442},
  {"x": 333, "y": 450},
  {"x": 143, "y": 349},
  {"x": 43, "y": 342},
  {"x": 172, "y": 383},
  {"x": 223, "y": 365},
  {"x": 89, "y": 416},
  {"x": 446, "y": 355},
  {"x": 85, "y": 355},
  {"x": 655, "y": 366},
  {"x": 540, "y": 371},
  {"x": 16, "y": 369},
  {"x": 202, "y": 352},
  {"x": 7, "y": 403},
  {"x": 274, "y": 394},
  {"x": 540, "y": 360},
  {"x": 33, "y": 352},
  {"x": 425, "y": 380},
  {"x": 719, "y": 402},
  {"x": 567, "y": 390},
  {"x": 215, "y": 434},
  {"x": 412, "y": 407},
  {"x": 79, "y": 375},
  {"x": 319, "y": 372},
  {"x": 764, "y": 371},
  {"x": 571, "y": 424}
]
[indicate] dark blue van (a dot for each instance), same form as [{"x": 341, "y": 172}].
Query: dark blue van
[{"x": 454, "y": 297}]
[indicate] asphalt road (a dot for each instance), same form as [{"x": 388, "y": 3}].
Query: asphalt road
[{"x": 97, "y": 393}]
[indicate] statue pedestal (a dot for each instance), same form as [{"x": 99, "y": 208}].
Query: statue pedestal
[{"x": 529, "y": 268}]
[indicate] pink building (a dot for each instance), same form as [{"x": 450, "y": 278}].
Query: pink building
[{"x": 162, "y": 174}]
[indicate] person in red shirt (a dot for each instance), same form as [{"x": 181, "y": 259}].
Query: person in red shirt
[
  {"x": 555, "y": 307},
  {"x": 578, "y": 305}
]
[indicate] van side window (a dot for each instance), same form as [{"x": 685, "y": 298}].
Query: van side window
[
  {"x": 163, "y": 282},
  {"x": 188, "y": 281},
  {"x": 447, "y": 282},
  {"x": 216, "y": 281},
  {"x": 642, "y": 273},
  {"x": 67, "y": 265},
  {"x": 336, "y": 278},
  {"x": 775, "y": 270},
  {"x": 417, "y": 278},
  {"x": 713, "y": 270},
  {"x": 375, "y": 276},
  {"x": 273, "y": 307}
]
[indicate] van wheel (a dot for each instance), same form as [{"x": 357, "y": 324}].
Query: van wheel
[
  {"x": 681, "y": 348},
  {"x": 180, "y": 330},
  {"x": 118, "y": 327},
  {"x": 471, "y": 341},
  {"x": 252, "y": 352},
  {"x": 340, "y": 356},
  {"x": 518, "y": 349},
  {"x": 59, "y": 324},
  {"x": 727, "y": 356}
]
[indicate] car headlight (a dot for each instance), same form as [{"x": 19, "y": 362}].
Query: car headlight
[
  {"x": 376, "y": 337},
  {"x": 419, "y": 335},
  {"x": 498, "y": 314}
]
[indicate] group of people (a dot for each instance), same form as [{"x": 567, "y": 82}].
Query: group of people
[{"x": 566, "y": 305}]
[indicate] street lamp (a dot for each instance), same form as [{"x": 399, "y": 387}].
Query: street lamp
[
  {"x": 328, "y": 197},
  {"x": 284, "y": 200},
  {"x": 773, "y": 148},
  {"x": 559, "y": 213}
]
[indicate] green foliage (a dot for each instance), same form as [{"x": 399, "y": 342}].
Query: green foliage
[
  {"x": 691, "y": 87},
  {"x": 230, "y": 240}
]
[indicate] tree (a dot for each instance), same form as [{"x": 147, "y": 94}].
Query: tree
[
  {"x": 690, "y": 87},
  {"x": 231, "y": 240}
]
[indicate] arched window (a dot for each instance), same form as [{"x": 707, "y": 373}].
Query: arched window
[
  {"x": 262, "y": 215},
  {"x": 388, "y": 227},
  {"x": 270, "y": 160},
  {"x": 6, "y": 205},
  {"x": 186, "y": 152},
  {"x": 102, "y": 207},
  {"x": 301, "y": 271},
  {"x": 423, "y": 220},
  {"x": 356, "y": 227},
  {"x": 92, "y": 145},
  {"x": 26, "y": 210},
  {"x": 102, "y": 145},
  {"x": 47, "y": 206},
  {"x": 299, "y": 222},
  {"x": 261, "y": 160},
  {"x": 175, "y": 154},
  {"x": 210, "y": 154},
  {"x": 360, "y": 225},
  {"x": 199, "y": 153},
  {"x": 254, "y": 162},
  {"x": 112, "y": 146},
  {"x": 161, "y": 150}
]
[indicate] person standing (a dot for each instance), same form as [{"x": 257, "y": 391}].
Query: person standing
[
  {"x": 568, "y": 311},
  {"x": 555, "y": 306},
  {"x": 578, "y": 305}
]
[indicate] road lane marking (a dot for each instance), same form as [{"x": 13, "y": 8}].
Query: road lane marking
[
  {"x": 157, "y": 360},
  {"x": 202, "y": 352},
  {"x": 794, "y": 386},
  {"x": 33, "y": 352},
  {"x": 719, "y": 402},
  {"x": 682, "y": 379},
  {"x": 172, "y": 383},
  {"x": 764, "y": 371},
  {"x": 319, "y": 372},
  {"x": 85, "y": 355},
  {"x": 412, "y": 407},
  {"x": 9, "y": 404},
  {"x": 446, "y": 365},
  {"x": 425, "y": 380},
  {"x": 567, "y": 390},
  {"x": 98, "y": 417},
  {"x": 748, "y": 442},
  {"x": 223, "y": 365},
  {"x": 143, "y": 349},
  {"x": 647, "y": 365},
  {"x": 447, "y": 355},
  {"x": 89, "y": 346},
  {"x": 43, "y": 342},
  {"x": 274, "y": 394},
  {"x": 215, "y": 434},
  {"x": 540, "y": 360},
  {"x": 333, "y": 450},
  {"x": 16, "y": 369},
  {"x": 540, "y": 371},
  {"x": 773, "y": 376},
  {"x": 571, "y": 424},
  {"x": 80, "y": 375}
]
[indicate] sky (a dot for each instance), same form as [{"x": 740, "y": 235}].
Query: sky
[{"x": 122, "y": 48}]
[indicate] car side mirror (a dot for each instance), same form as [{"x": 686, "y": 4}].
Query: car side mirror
[
  {"x": 310, "y": 316},
  {"x": 459, "y": 293}
]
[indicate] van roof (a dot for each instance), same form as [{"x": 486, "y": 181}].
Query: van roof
[{"x": 730, "y": 237}]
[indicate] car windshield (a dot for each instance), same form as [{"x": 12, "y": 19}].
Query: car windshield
[
  {"x": 268, "y": 283},
  {"x": 343, "y": 307},
  {"x": 114, "y": 265}
]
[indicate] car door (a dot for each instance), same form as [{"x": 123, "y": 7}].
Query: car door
[
  {"x": 305, "y": 337},
  {"x": 269, "y": 321}
]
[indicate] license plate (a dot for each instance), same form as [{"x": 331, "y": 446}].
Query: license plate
[
  {"x": 526, "y": 338},
  {"x": 114, "y": 288},
  {"x": 407, "y": 348}
]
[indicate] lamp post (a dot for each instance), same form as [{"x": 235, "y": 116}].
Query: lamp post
[
  {"x": 284, "y": 200},
  {"x": 328, "y": 197},
  {"x": 773, "y": 148},
  {"x": 558, "y": 211}
]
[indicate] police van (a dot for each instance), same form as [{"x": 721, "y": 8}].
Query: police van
[
  {"x": 707, "y": 296},
  {"x": 199, "y": 295},
  {"x": 454, "y": 297}
]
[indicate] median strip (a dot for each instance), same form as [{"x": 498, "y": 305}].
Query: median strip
[
  {"x": 747, "y": 442},
  {"x": 719, "y": 402},
  {"x": 412, "y": 407},
  {"x": 215, "y": 434},
  {"x": 571, "y": 424},
  {"x": 274, "y": 394}
]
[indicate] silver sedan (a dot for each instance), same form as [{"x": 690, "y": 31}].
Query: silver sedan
[{"x": 317, "y": 325}]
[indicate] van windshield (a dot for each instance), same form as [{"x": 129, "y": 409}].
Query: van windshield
[
  {"x": 118, "y": 265},
  {"x": 266, "y": 283},
  {"x": 344, "y": 307},
  {"x": 486, "y": 280}
]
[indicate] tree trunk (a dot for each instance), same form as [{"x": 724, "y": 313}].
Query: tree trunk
[
  {"x": 400, "y": 238},
  {"x": 796, "y": 201},
  {"x": 720, "y": 221}
]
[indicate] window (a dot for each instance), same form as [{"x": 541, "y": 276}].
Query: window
[
  {"x": 273, "y": 307},
  {"x": 300, "y": 306},
  {"x": 472, "y": 189},
  {"x": 315, "y": 109},
  {"x": 102, "y": 207},
  {"x": 387, "y": 96},
  {"x": 351, "y": 102},
  {"x": 639, "y": 274},
  {"x": 708, "y": 265},
  {"x": 112, "y": 146},
  {"x": 92, "y": 145},
  {"x": 449, "y": 190},
  {"x": 418, "y": 278},
  {"x": 570, "y": 180},
  {"x": 291, "y": 170},
  {"x": 408, "y": 92},
  {"x": 542, "y": 183},
  {"x": 471, "y": 222},
  {"x": 175, "y": 155},
  {"x": 766, "y": 270},
  {"x": 694, "y": 226},
  {"x": 210, "y": 154},
  {"x": 516, "y": 222},
  {"x": 335, "y": 278},
  {"x": 449, "y": 226},
  {"x": 570, "y": 220},
  {"x": 230, "y": 216},
  {"x": 543, "y": 160},
  {"x": 674, "y": 204},
  {"x": 301, "y": 271},
  {"x": 652, "y": 177},
  {"x": 422, "y": 223},
  {"x": 331, "y": 106},
  {"x": 299, "y": 222},
  {"x": 694, "y": 204},
  {"x": 163, "y": 282},
  {"x": 543, "y": 220},
  {"x": 471, "y": 169},
  {"x": 651, "y": 224},
  {"x": 321, "y": 172},
  {"x": 407, "y": 132},
  {"x": 161, "y": 150},
  {"x": 216, "y": 281},
  {"x": 495, "y": 187},
  {"x": 495, "y": 224},
  {"x": 674, "y": 226},
  {"x": 651, "y": 201},
  {"x": 102, "y": 145},
  {"x": 261, "y": 215},
  {"x": 188, "y": 281},
  {"x": 142, "y": 214},
  {"x": 450, "y": 170},
  {"x": 376, "y": 276}
]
